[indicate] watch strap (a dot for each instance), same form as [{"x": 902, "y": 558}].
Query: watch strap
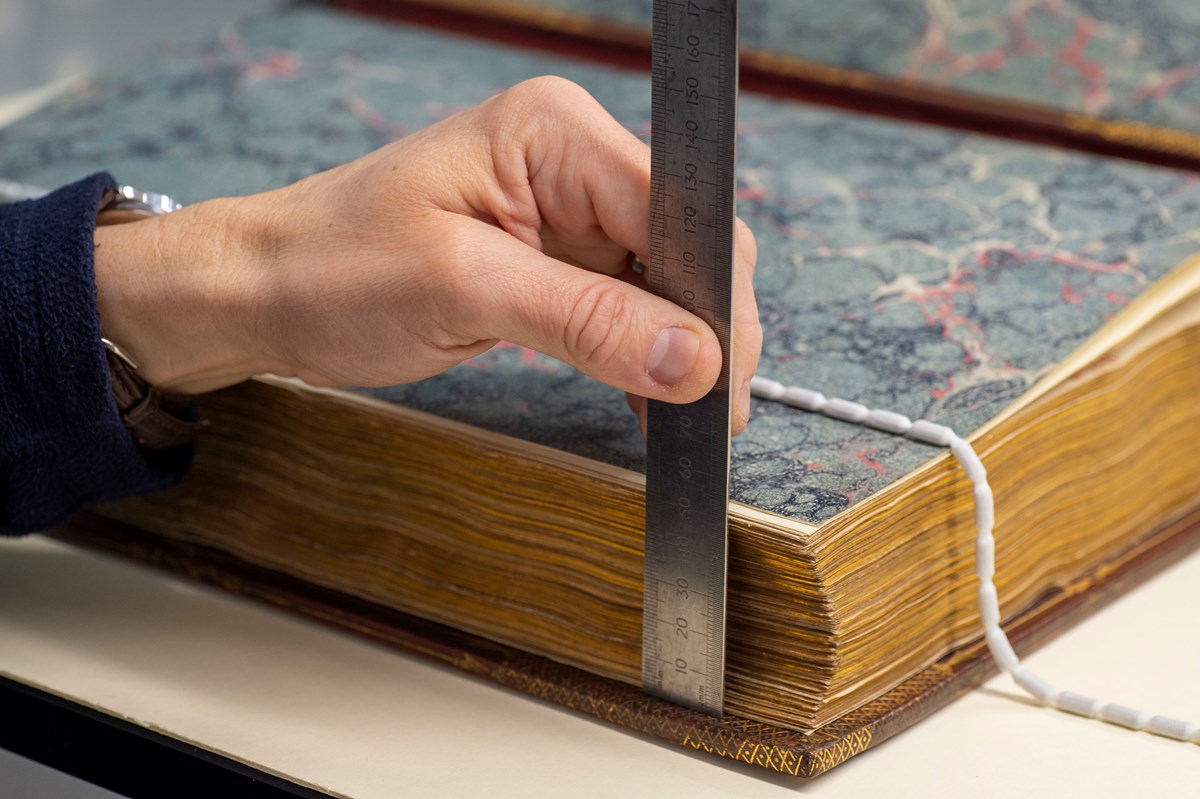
[{"x": 151, "y": 415}]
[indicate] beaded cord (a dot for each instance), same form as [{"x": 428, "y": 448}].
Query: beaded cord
[{"x": 985, "y": 550}]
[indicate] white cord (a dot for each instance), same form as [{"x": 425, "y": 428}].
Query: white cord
[{"x": 985, "y": 552}]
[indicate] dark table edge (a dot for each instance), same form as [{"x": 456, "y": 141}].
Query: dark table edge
[{"x": 124, "y": 757}]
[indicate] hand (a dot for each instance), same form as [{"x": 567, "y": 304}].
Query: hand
[{"x": 512, "y": 220}]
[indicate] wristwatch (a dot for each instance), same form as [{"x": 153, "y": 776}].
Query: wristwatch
[
  {"x": 127, "y": 204},
  {"x": 153, "y": 417}
]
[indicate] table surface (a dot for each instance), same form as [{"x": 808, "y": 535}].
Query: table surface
[{"x": 359, "y": 720}]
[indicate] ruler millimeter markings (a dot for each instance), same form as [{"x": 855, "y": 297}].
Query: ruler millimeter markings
[{"x": 693, "y": 159}]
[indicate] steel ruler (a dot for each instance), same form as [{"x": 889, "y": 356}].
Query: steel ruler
[{"x": 693, "y": 155}]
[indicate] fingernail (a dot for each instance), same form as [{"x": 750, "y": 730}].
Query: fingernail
[{"x": 673, "y": 355}]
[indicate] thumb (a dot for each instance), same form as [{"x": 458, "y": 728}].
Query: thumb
[{"x": 610, "y": 330}]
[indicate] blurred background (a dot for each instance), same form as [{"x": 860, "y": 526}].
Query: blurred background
[{"x": 44, "y": 44}]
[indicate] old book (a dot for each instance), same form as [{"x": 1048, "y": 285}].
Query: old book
[{"x": 1043, "y": 303}]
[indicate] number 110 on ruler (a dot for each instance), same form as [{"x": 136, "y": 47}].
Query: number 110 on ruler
[{"x": 693, "y": 158}]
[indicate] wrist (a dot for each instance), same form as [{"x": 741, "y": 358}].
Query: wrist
[{"x": 180, "y": 294}]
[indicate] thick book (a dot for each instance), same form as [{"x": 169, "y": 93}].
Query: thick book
[{"x": 1044, "y": 304}]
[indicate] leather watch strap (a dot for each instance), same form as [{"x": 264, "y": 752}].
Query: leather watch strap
[{"x": 150, "y": 414}]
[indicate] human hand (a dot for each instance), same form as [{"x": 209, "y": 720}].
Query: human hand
[{"x": 512, "y": 220}]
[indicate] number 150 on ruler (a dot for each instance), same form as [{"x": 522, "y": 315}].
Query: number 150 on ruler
[{"x": 693, "y": 154}]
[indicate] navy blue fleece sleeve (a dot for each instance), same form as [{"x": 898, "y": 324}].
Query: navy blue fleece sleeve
[{"x": 63, "y": 446}]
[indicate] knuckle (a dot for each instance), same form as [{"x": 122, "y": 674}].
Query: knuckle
[
  {"x": 596, "y": 322},
  {"x": 533, "y": 103},
  {"x": 547, "y": 90}
]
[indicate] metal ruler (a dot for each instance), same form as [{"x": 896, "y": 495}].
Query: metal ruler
[{"x": 693, "y": 154}]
